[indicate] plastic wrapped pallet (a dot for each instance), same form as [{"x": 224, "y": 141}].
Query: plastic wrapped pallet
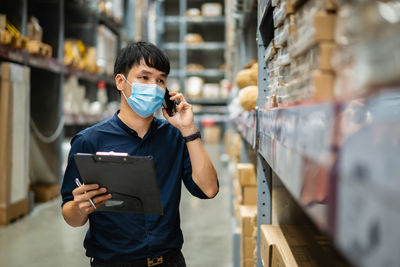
[
  {"x": 368, "y": 37},
  {"x": 283, "y": 9},
  {"x": 14, "y": 141},
  {"x": 313, "y": 24}
]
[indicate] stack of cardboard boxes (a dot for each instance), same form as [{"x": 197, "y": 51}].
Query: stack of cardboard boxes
[
  {"x": 245, "y": 203},
  {"x": 244, "y": 179},
  {"x": 14, "y": 141},
  {"x": 299, "y": 56},
  {"x": 247, "y": 227}
]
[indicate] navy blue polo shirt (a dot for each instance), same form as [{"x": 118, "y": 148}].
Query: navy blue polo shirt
[{"x": 128, "y": 236}]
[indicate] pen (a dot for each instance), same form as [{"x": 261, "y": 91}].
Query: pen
[{"x": 78, "y": 183}]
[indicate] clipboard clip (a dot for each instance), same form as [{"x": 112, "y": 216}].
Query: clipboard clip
[{"x": 112, "y": 153}]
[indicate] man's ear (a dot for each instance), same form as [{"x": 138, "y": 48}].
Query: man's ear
[{"x": 119, "y": 80}]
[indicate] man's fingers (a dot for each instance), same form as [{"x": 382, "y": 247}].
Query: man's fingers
[
  {"x": 84, "y": 205},
  {"x": 180, "y": 106},
  {"x": 93, "y": 193},
  {"x": 86, "y": 187},
  {"x": 88, "y": 195},
  {"x": 178, "y": 97},
  {"x": 101, "y": 202},
  {"x": 101, "y": 199}
]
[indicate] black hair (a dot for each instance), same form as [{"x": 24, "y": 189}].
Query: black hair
[{"x": 134, "y": 53}]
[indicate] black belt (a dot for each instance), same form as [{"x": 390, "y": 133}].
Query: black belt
[{"x": 145, "y": 262}]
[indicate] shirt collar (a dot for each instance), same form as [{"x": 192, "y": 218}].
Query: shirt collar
[{"x": 132, "y": 132}]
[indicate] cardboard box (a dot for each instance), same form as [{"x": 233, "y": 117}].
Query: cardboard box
[
  {"x": 247, "y": 247},
  {"x": 246, "y": 213},
  {"x": 285, "y": 246},
  {"x": 211, "y": 134},
  {"x": 326, "y": 51},
  {"x": 323, "y": 85},
  {"x": 248, "y": 262},
  {"x": 247, "y": 174},
  {"x": 249, "y": 195},
  {"x": 271, "y": 235},
  {"x": 324, "y": 25},
  {"x": 276, "y": 257}
]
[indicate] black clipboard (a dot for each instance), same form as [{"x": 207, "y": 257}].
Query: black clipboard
[{"x": 131, "y": 180}]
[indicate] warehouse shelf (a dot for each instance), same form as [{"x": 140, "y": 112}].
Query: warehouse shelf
[
  {"x": 109, "y": 22},
  {"x": 205, "y": 20},
  {"x": 87, "y": 76},
  {"x": 48, "y": 64},
  {"x": 200, "y": 46},
  {"x": 208, "y": 101},
  {"x": 174, "y": 73},
  {"x": 217, "y": 118},
  {"x": 172, "y": 20},
  {"x": 172, "y": 46},
  {"x": 23, "y": 57},
  {"x": 206, "y": 73},
  {"x": 207, "y": 109},
  {"x": 245, "y": 125},
  {"x": 209, "y": 73},
  {"x": 320, "y": 154},
  {"x": 206, "y": 46}
]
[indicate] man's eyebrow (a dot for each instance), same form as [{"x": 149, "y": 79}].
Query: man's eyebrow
[
  {"x": 150, "y": 73},
  {"x": 145, "y": 72}
]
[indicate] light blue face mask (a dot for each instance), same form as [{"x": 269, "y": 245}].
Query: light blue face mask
[{"x": 145, "y": 98}]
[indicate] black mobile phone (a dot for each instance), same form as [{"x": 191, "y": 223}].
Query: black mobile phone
[{"x": 169, "y": 104}]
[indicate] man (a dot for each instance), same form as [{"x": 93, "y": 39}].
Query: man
[{"x": 130, "y": 239}]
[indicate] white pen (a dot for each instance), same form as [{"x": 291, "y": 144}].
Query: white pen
[{"x": 78, "y": 183}]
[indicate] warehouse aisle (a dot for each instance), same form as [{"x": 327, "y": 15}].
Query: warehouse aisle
[{"x": 43, "y": 239}]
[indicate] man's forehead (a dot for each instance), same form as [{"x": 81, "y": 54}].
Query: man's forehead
[{"x": 142, "y": 67}]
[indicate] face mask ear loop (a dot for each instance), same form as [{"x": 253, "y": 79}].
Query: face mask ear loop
[
  {"x": 129, "y": 84},
  {"x": 124, "y": 96}
]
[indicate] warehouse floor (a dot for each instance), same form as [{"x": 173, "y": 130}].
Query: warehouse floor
[{"x": 43, "y": 239}]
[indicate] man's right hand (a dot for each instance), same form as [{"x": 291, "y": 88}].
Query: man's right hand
[{"x": 89, "y": 191}]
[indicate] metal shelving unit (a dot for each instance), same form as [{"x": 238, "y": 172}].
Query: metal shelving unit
[
  {"x": 176, "y": 24},
  {"x": 339, "y": 161},
  {"x": 59, "y": 20}
]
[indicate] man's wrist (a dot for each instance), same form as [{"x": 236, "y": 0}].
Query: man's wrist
[{"x": 188, "y": 130}]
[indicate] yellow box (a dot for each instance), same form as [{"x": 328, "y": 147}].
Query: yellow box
[
  {"x": 246, "y": 213},
  {"x": 247, "y": 174},
  {"x": 249, "y": 195},
  {"x": 212, "y": 134},
  {"x": 323, "y": 85}
]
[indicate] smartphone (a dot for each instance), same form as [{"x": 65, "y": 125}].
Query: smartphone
[{"x": 169, "y": 104}]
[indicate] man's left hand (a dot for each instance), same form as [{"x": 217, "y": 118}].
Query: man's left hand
[{"x": 183, "y": 118}]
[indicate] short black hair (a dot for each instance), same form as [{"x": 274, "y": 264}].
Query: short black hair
[{"x": 135, "y": 52}]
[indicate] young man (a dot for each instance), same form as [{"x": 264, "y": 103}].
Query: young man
[{"x": 130, "y": 239}]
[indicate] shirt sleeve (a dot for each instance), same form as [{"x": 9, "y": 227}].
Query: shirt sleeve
[
  {"x": 191, "y": 186},
  {"x": 71, "y": 172}
]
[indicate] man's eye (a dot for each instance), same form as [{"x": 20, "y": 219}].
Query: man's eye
[
  {"x": 144, "y": 77},
  {"x": 161, "y": 81}
]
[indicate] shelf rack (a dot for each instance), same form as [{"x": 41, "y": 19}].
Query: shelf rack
[
  {"x": 339, "y": 160},
  {"x": 60, "y": 20},
  {"x": 175, "y": 23}
]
